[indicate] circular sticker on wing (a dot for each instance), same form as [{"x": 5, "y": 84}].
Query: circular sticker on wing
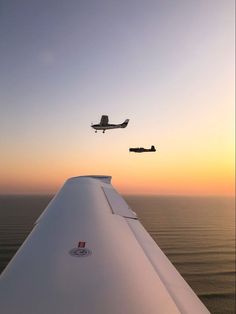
[{"x": 80, "y": 252}]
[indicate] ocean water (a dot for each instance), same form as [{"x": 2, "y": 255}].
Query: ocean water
[{"x": 196, "y": 233}]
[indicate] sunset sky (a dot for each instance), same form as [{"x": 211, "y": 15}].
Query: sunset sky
[{"x": 166, "y": 65}]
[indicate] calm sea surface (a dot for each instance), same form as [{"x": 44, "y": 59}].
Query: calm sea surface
[{"x": 196, "y": 233}]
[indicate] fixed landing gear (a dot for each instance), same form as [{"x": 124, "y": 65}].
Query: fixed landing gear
[
  {"x": 103, "y": 131},
  {"x": 96, "y": 131}
]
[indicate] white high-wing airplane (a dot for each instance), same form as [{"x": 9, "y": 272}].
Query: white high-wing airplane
[
  {"x": 89, "y": 254},
  {"x": 105, "y": 125}
]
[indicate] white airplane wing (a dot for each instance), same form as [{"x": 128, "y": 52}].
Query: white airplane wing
[{"x": 89, "y": 254}]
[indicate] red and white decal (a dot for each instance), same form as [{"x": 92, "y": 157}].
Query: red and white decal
[{"x": 81, "y": 244}]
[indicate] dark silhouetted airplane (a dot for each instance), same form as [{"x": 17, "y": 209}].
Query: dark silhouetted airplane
[
  {"x": 104, "y": 125},
  {"x": 142, "y": 150}
]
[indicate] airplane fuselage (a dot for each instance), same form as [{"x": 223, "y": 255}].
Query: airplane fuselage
[
  {"x": 106, "y": 127},
  {"x": 141, "y": 150}
]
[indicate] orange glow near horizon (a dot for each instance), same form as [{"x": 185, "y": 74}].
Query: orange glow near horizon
[
  {"x": 182, "y": 167},
  {"x": 154, "y": 173}
]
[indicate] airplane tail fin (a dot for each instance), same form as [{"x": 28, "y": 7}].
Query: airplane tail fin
[
  {"x": 124, "y": 124},
  {"x": 153, "y": 148}
]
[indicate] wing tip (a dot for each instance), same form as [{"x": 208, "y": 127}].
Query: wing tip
[{"x": 103, "y": 178}]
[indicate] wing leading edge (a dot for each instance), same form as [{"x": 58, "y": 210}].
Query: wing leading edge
[{"x": 88, "y": 254}]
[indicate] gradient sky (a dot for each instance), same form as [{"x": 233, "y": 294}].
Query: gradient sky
[{"x": 166, "y": 65}]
